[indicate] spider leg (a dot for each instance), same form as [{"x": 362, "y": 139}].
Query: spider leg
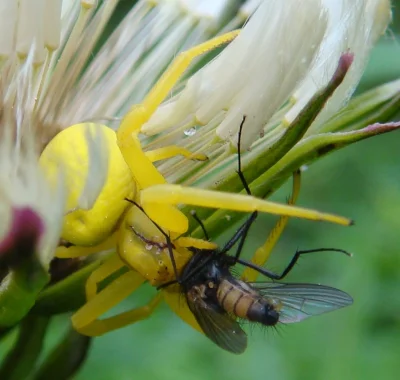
[
  {"x": 73, "y": 251},
  {"x": 110, "y": 266},
  {"x": 85, "y": 320},
  {"x": 142, "y": 169},
  {"x": 154, "y": 197},
  {"x": 172, "y": 151},
  {"x": 190, "y": 242},
  {"x": 164, "y": 85},
  {"x": 102, "y": 326}
]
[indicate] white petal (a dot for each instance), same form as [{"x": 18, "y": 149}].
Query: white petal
[
  {"x": 22, "y": 183},
  {"x": 249, "y": 7},
  {"x": 353, "y": 25},
  {"x": 8, "y": 22},
  {"x": 255, "y": 74},
  {"x": 31, "y": 29},
  {"x": 213, "y": 10},
  {"x": 89, "y": 3},
  {"x": 52, "y": 23}
]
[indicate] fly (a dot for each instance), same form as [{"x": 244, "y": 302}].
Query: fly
[{"x": 219, "y": 301}]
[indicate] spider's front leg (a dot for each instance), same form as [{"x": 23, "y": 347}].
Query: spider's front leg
[
  {"x": 141, "y": 113},
  {"x": 155, "y": 197},
  {"x": 143, "y": 171}
]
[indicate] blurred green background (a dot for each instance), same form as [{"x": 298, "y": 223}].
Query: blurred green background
[{"x": 359, "y": 342}]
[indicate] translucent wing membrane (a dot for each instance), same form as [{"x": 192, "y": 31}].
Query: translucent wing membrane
[
  {"x": 219, "y": 327},
  {"x": 301, "y": 301}
]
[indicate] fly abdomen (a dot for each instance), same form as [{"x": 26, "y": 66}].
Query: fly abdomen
[
  {"x": 264, "y": 313},
  {"x": 245, "y": 303},
  {"x": 234, "y": 299}
]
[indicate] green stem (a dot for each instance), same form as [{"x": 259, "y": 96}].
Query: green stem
[
  {"x": 20, "y": 361},
  {"x": 66, "y": 358},
  {"x": 19, "y": 290},
  {"x": 66, "y": 295}
]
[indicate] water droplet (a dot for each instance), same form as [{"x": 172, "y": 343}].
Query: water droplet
[
  {"x": 149, "y": 247},
  {"x": 190, "y": 132},
  {"x": 303, "y": 168}
]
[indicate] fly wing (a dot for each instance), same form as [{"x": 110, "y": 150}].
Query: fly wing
[
  {"x": 301, "y": 301},
  {"x": 218, "y": 326}
]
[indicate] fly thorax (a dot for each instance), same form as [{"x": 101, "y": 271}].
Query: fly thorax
[{"x": 197, "y": 292}]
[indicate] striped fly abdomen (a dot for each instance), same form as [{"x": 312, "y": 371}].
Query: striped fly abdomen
[{"x": 240, "y": 299}]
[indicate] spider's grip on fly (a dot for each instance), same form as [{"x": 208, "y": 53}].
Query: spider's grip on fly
[{"x": 111, "y": 222}]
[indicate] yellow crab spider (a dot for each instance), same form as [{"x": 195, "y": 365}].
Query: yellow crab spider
[
  {"x": 68, "y": 152},
  {"x": 131, "y": 173},
  {"x": 144, "y": 255}
]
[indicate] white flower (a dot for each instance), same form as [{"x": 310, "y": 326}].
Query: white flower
[
  {"x": 134, "y": 56},
  {"x": 355, "y": 26},
  {"x": 288, "y": 50},
  {"x": 31, "y": 209},
  {"x": 45, "y": 46},
  {"x": 284, "y": 55},
  {"x": 33, "y": 205}
]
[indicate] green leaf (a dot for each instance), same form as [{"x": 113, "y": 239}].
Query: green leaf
[
  {"x": 19, "y": 290},
  {"x": 66, "y": 358},
  {"x": 67, "y": 294},
  {"x": 380, "y": 104},
  {"x": 20, "y": 361}
]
